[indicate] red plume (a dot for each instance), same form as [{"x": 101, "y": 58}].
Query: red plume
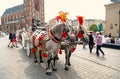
[
  {"x": 58, "y": 18},
  {"x": 80, "y": 19}
]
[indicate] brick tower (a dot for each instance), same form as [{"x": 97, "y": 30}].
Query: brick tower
[{"x": 33, "y": 9}]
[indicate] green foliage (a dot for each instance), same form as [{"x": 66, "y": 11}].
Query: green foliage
[
  {"x": 93, "y": 28},
  {"x": 100, "y": 27}
]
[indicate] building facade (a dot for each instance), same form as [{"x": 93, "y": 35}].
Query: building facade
[
  {"x": 89, "y": 22},
  {"x": 113, "y": 19},
  {"x": 21, "y": 16}
]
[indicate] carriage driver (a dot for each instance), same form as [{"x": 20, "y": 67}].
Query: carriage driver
[{"x": 34, "y": 26}]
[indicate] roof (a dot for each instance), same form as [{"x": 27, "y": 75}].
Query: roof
[
  {"x": 112, "y": 3},
  {"x": 13, "y": 9},
  {"x": 10, "y": 22}
]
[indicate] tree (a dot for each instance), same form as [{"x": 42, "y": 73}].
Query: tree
[
  {"x": 93, "y": 27},
  {"x": 100, "y": 27}
]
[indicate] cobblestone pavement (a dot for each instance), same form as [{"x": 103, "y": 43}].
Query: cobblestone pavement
[{"x": 14, "y": 64}]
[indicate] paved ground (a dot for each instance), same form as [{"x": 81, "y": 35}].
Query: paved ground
[{"x": 14, "y": 64}]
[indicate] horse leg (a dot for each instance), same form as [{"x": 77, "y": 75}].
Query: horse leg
[
  {"x": 69, "y": 55},
  {"x": 83, "y": 44},
  {"x": 57, "y": 58},
  {"x": 48, "y": 69},
  {"x": 66, "y": 57},
  {"x": 35, "y": 57},
  {"x": 40, "y": 56},
  {"x": 54, "y": 66}
]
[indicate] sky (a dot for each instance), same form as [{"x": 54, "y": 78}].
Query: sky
[{"x": 90, "y": 9}]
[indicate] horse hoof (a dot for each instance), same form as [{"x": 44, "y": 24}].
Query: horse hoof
[
  {"x": 69, "y": 64},
  {"x": 41, "y": 61},
  {"x": 66, "y": 68},
  {"x": 35, "y": 61},
  {"x": 57, "y": 58},
  {"x": 54, "y": 69},
  {"x": 48, "y": 73}
]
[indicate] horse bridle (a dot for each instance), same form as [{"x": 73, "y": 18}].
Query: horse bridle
[
  {"x": 54, "y": 38},
  {"x": 54, "y": 35}
]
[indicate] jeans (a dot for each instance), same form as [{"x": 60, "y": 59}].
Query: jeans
[
  {"x": 91, "y": 47},
  {"x": 99, "y": 49}
]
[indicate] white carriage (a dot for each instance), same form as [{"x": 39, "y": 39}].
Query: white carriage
[{"x": 26, "y": 39}]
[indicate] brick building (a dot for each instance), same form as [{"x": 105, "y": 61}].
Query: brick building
[{"x": 21, "y": 16}]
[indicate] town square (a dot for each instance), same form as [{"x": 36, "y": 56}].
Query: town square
[{"x": 68, "y": 42}]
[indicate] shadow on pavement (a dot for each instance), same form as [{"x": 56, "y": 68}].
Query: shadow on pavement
[{"x": 39, "y": 72}]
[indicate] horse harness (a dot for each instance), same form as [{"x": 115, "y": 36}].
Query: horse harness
[{"x": 53, "y": 37}]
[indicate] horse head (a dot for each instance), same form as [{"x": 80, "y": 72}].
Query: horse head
[
  {"x": 71, "y": 34},
  {"x": 59, "y": 31},
  {"x": 82, "y": 34}
]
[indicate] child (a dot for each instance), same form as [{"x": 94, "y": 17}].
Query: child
[
  {"x": 10, "y": 38},
  {"x": 14, "y": 39}
]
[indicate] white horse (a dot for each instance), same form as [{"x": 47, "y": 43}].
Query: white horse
[
  {"x": 69, "y": 44},
  {"x": 49, "y": 46},
  {"x": 84, "y": 35}
]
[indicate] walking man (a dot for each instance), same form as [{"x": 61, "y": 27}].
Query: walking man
[
  {"x": 91, "y": 42},
  {"x": 99, "y": 44},
  {"x": 11, "y": 39}
]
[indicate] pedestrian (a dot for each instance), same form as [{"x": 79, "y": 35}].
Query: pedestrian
[
  {"x": 91, "y": 42},
  {"x": 99, "y": 44},
  {"x": 11, "y": 39},
  {"x": 109, "y": 35},
  {"x": 113, "y": 40},
  {"x": 117, "y": 41},
  {"x": 15, "y": 39}
]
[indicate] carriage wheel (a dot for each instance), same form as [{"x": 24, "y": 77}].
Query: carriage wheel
[{"x": 28, "y": 50}]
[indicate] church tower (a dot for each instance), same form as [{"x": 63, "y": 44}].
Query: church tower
[{"x": 33, "y": 9}]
